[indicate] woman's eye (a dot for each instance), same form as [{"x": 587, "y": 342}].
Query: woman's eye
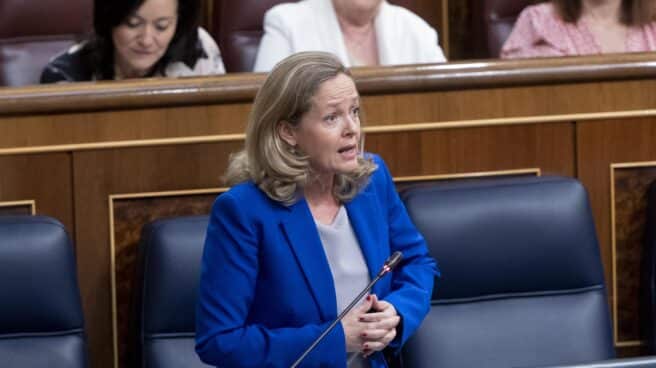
[
  {"x": 331, "y": 118},
  {"x": 355, "y": 111},
  {"x": 133, "y": 22},
  {"x": 162, "y": 26}
]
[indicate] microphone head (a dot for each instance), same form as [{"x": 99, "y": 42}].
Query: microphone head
[
  {"x": 390, "y": 263},
  {"x": 394, "y": 260}
]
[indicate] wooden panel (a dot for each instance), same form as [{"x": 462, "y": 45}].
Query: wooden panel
[
  {"x": 601, "y": 144},
  {"x": 116, "y": 126},
  {"x": 44, "y": 179},
  {"x": 223, "y": 122},
  {"x": 241, "y": 87},
  {"x": 99, "y": 174},
  {"x": 130, "y": 215},
  {"x": 629, "y": 188},
  {"x": 549, "y": 147},
  {"x": 509, "y": 102},
  {"x": 17, "y": 209}
]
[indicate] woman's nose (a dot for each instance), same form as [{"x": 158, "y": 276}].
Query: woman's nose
[
  {"x": 351, "y": 125},
  {"x": 147, "y": 37}
]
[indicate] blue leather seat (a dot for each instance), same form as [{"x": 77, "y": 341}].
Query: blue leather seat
[
  {"x": 170, "y": 253},
  {"x": 522, "y": 283},
  {"x": 41, "y": 320}
]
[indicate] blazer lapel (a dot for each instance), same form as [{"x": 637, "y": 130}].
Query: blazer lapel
[
  {"x": 389, "y": 41},
  {"x": 303, "y": 237},
  {"x": 332, "y": 39},
  {"x": 365, "y": 218}
]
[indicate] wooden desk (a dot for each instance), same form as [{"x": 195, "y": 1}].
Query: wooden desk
[{"x": 105, "y": 158}]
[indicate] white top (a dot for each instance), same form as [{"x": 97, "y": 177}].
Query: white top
[
  {"x": 212, "y": 64},
  {"x": 347, "y": 265},
  {"x": 312, "y": 25}
]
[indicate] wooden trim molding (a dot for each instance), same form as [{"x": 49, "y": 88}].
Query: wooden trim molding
[
  {"x": 27, "y": 202},
  {"x": 469, "y": 175},
  {"x": 241, "y": 87},
  {"x": 371, "y": 129}
]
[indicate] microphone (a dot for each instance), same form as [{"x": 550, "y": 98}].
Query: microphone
[{"x": 388, "y": 266}]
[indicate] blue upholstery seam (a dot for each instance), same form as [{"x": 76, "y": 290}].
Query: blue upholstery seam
[
  {"x": 75, "y": 331},
  {"x": 36, "y": 220},
  {"x": 474, "y": 185},
  {"x": 170, "y": 335},
  {"x": 532, "y": 294}
]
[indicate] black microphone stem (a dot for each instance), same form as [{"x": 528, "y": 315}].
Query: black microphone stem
[
  {"x": 391, "y": 262},
  {"x": 335, "y": 322}
]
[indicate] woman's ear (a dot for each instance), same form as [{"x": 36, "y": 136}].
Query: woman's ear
[{"x": 287, "y": 132}]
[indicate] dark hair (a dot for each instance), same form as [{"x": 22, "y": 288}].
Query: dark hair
[
  {"x": 109, "y": 14},
  {"x": 634, "y": 12}
]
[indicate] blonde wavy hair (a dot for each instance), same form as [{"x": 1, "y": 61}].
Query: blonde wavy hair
[{"x": 276, "y": 167}]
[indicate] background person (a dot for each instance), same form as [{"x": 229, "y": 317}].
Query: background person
[
  {"x": 359, "y": 32},
  {"x": 582, "y": 27},
  {"x": 139, "y": 38},
  {"x": 307, "y": 223}
]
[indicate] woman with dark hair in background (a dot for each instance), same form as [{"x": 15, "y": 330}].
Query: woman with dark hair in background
[
  {"x": 139, "y": 38},
  {"x": 582, "y": 27}
]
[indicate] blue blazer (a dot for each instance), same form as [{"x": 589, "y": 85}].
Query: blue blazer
[{"x": 266, "y": 290}]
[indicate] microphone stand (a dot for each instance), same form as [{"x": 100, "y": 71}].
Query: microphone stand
[{"x": 390, "y": 263}]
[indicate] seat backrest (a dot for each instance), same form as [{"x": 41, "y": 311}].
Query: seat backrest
[
  {"x": 238, "y": 28},
  {"x": 170, "y": 256},
  {"x": 522, "y": 282},
  {"x": 41, "y": 322},
  {"x": 33, "y": 31},
  {"x": 492, "y": 22}
]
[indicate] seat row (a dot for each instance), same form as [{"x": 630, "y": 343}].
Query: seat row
[
  {"x": 27, "y": 42},
  {"x": 522, "y": 283}
]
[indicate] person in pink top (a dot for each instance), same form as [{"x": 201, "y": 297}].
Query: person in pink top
[{"x": 582, "y": 27}]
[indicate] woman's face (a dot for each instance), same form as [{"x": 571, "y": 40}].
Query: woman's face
[
  {"x": 330, "y": 132},
  {"x": 143, "y": 37}
]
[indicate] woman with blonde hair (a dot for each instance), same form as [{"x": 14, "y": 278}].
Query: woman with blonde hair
[
  {"x": 582, "y": 27},
  {"x": 308, "y": 222}
]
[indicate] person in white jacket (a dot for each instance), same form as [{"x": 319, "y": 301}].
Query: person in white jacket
[{"x": 359, "y": 32}]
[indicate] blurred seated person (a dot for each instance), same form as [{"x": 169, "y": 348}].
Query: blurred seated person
[
  {"x": 359, "y": 32},
  {"x": 139, "y": 38},
  {"x": 582, "y": 27}
]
